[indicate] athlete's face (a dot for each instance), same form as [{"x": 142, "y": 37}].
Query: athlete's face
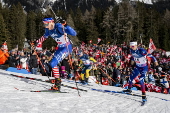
[
  {"x": 49, "y": 25},
  {"x": 134, "y": 47}
]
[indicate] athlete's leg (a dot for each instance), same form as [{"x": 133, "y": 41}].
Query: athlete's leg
[
  {"x": 56, "y": 75},
  {"x": 134, "y": 74},
  {"x": 143, "y": 72},
  {"x": 87, "y": 73},
  {"x": 60, "y": 54},
  {"x": 82, "y": 73}
]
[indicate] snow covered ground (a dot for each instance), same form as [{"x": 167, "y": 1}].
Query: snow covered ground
[
  {"x": 145, "y": 1},
  {"x": 15, "y": 97}
]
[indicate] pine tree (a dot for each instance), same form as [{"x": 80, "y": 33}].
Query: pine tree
[
  {"x": 2, "y": 30},
  {"x": 79, "y": 23},
  {"x": 17, "y": 25},
  {"x": 92, "y": 33},
  {"x": 108, "y": 24},
  {"x": 39, "y": 24},
  {"x": 31, "y": 26},
  {"x": 98, "y": 21},
  {"x": 70, "y": 22},
  {"x": 166, "y": 42},
  {"x": 138, "y": 23},
  {"x": 132, "y": 16}
]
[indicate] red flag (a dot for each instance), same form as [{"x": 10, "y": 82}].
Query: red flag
[
  {"x": 98, "y": 40},
  {"x": 157, "y": 89},
  {"x": 83, "y": 43},
  {"x": 151, "y": 47}
]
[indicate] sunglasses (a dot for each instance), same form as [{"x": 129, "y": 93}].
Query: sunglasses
[
  {"x": 46, "y": 25},
  {"x": 132, "y": 46}
]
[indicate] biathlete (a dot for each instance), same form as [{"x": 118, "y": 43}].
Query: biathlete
[
  {"x": 139, "y": 64},
  {"x": 58, "y": 31},
  {"x": 86, "y": 63}
]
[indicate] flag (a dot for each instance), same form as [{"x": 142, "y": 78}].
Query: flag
[
  {"x": 151, "y": 47},
  {"x": 5, "y": 46},
  {"x": 157, "y": 89},
  {"x": 98, "y": 40},
  {"x": 83, "y": 45}
]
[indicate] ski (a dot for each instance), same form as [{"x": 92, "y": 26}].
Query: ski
[
  {"x": 53, "y": 91},
  {"x": 49, "y": 90},
  {"x": 78, "y": 82},
  {"x": 133, "y": 94},
  {"x": 48, "y": 81},
  {"x": 87, "y": 84},
  {"x": 119, "y": 92},
  {"x": 73, "y": 87},
  {"x": 52, "y": 81}
]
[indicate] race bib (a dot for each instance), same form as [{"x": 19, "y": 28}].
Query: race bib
[
  {"x": 61, "y": 40},
  {"x": 141, "y": 60},
  {"x": 86, "y": 62}
]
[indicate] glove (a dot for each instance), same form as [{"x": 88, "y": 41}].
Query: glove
[{"x": 62, "y": 21}]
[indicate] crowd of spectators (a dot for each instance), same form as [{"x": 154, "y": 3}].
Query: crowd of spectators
[{"x": 113, "y": 65}]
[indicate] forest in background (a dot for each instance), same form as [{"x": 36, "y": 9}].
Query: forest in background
[{"x": 122, "y": 23}]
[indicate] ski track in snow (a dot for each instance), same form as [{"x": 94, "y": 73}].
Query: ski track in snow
[{"x": 24, "y": 101}]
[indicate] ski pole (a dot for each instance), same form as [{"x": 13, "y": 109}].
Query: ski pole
[
  {"x": 70, "y": 61},
  {"x": 107, "y": 75},
  {"x": 56, "y": 17},
  {"x": 41, "y": 64}
]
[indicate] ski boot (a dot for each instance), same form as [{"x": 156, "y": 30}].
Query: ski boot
[
  {"x": 127, "y": 91},
  {"x": 144, "y": 99},
  {"x": 57, "y": 85},
  {"x": 97, "y": 82},
  {"x": 86, "y": 80}
]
